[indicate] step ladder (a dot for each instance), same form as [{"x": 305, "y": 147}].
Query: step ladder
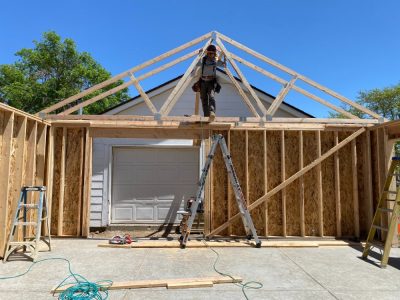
[
  {"x": 384, "y": 210},
  {"x": 188, "y": 216},
  {"x": 22, "y": 221}
]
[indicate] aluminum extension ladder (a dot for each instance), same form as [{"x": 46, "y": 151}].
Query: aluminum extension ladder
[
  {"x": 189, "y": 216},
  {"x": 383, "y": 210},
  {"x": 21, "y": 220}
]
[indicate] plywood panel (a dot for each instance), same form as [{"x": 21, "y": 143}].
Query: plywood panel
[
  {"x": 274, "y": 178},
  {"x": 328, "y": 184},
  {"x": 40, "y": 154},
  {"x": 256, "y": 178},
  {"x": 73, "y": 182},
  {"x": 238, "y": 143},
  {"x": 292, "y": 190},
  {"x": 346, "y": 187},
  {"x": 310, "y": 188},
  {"x": 219, "y": 198}
]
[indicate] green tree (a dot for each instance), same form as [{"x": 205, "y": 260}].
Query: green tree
[
  {"x": 52, "y": 71},
  {"x": 385, "y": 102}
]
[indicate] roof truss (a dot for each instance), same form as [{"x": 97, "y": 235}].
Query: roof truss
[{"x": 260, "y": 112}]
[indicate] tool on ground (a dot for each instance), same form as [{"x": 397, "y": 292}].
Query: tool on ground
[
  {"x": 22, "y": 220},
  {"x": 384, "y": 210},
  {"x": 120, "y": 240},
  {"x": 188, "y": 216}
]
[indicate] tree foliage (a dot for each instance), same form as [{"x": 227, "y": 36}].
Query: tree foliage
[{"x": 52, "y": 71}]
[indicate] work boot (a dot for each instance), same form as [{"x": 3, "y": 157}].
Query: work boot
[{"x": 212, "y": 116}]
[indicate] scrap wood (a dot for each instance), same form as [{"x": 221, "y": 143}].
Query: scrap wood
[
  {"x": 168, "y": 283},
  {"x": 234, "y": 243}
]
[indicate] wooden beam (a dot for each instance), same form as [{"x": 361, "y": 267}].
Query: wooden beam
[
  {"x": 283, "y": 178},
  {"x": 301, "y": 181},
  {"x": 183, "y": 82},
  {"x": 295, "y": 88},
  {"x": 40, "y": 154},
  {"x": 81, "y": 182},
  {"x": 301, "y": 77},
  {"x": 124, "y": 74},
  {"x": 246, "y": 167},
  {"x": 230, "y": 188},
  {"x": 241, "y": 76},
  {"x": 197, "y": 104},
  {"x": 292, "y": 178},
  {"x": 368, "y": 178},
  {"x": 242, "y": 93},
  {"x": 87, "y": 184},
  {"x": 139, "y": 284},
  {"x": 265, "y": 181},
  {"x": 280, "y": 97},
  {"x": 337, "y": 189},
  {"x": 50, "y": 171},
  {"x": 142, "y": 93},
  {"x": 319, "y": 186},
  {"x": 21, "y": 113},
  {"x": 62, "y": 184},
  {"x": 355, "y": 189}
]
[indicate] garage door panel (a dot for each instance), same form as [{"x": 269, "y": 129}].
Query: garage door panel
[
  {"x": 144, "y": 213},
  {"x": 123, "y": 213},
  {"x": 152, "y": 183}
]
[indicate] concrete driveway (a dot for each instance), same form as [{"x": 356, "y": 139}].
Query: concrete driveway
[{"x": 286, "y": 273}]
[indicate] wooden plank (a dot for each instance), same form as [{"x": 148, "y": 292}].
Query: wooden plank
[
  {"x": 246, "y": 166},
  {"x": 301, "y": 77},
  {"x": 81, "y": 178},
  {"x": 241, "y": 76},
  {"x": 280, "y": 97},
  {"x": 301, "y": 179},
  {"x": 230, "y": 188},
  {"x": 319, "y": 186},
  {"x": 283, "y": 175},
  {"x": 291, "y": 179},
  {"x": 21, "y": 113},
  {"x": 124, "y": 74},
  {"x": 142, "y": 93},
  {"x": 241, "y": 92},
  {"x": 40, "y": 154},
  {"x": 184, "y": 81},
  {"x": 265, "y": 180},
  {"x": 62, "y": 185},
  {"x": 187, "y": 285},
  {"x": 298, "y": 89},
  {"x": 197, "y": 104},
  {"x": 152, "y": 283},
  {"x": 16, "y": 170},
  {"x": 355, "y": 189},
  {"x": 87, "y": 184},
  {"x": 50, "y": 171},
  {"x": 337, "y": 189},
  {"x": 6, "y": 131}
]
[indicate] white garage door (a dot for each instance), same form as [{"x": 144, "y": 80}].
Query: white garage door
[{"x": 149, "y": 184}]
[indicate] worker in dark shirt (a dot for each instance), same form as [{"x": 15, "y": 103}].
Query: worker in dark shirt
[{"x": 208, "y": 80}]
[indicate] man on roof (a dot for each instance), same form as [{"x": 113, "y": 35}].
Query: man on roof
[{"x": 207, "y": 84}]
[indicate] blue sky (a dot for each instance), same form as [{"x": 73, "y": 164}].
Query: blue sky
[{"x": 347, "y": 46}]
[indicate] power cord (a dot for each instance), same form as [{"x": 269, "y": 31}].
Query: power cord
[
  {"x": 81, "y": 288},
  {"x": 253, "y": 285}
]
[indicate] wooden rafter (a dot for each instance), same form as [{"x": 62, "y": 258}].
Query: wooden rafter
[
  {"x": 146, "y": 98},
  {"x": 125, "y": 74},
  {"x": 299, "y": 76},
  {"x": 241, "y": 76},
  {"x": 242, "y": 93},
  {"x": 183, "y": 82},
  {"x": 281, "y": 96}
]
